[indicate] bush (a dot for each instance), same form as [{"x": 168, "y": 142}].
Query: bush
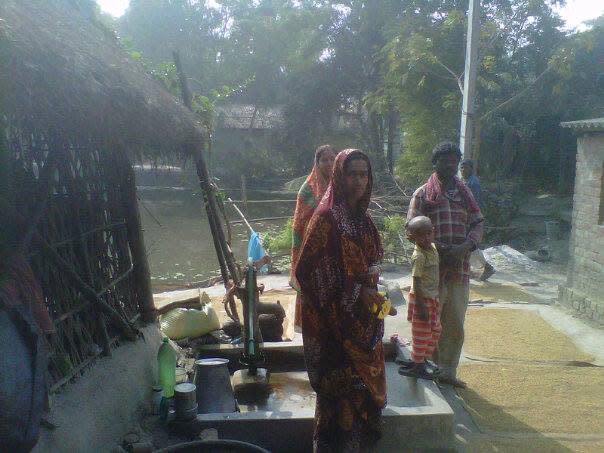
[
  {"x": 394, "y": 230},
  {"x": 282, "y": 240}
]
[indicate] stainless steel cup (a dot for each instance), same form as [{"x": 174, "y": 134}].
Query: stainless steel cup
[{"x": 185, "y": 401}]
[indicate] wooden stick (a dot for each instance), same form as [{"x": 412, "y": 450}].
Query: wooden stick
[
  {"x": 262, "y": 219},
  {"x": 243, "y": 219},
  {"x": 192, "y": 302},
  {"x": 222, "y": 249}
]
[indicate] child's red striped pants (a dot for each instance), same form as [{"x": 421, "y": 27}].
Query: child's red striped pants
[{"x": 425, "y": 333}]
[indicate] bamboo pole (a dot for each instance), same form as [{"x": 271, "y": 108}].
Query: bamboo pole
[
  {"x": 223, "y": 251},
  {"x": 215, "y": 226},
  {"x": 141, "y": 273}
]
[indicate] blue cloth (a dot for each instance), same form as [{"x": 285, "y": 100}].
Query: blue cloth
[
  {"x": 255, "y": 251},
  {"x": 474, "y": 185}
]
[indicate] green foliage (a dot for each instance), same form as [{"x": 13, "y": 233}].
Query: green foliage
[
  {"x": 394, "y": 238},
  {"x": 280, "y": 242},
  {"x": 375, "y": 67},
  {"x": 394, "y": 225},
  {"x": 166, "y": 74}
]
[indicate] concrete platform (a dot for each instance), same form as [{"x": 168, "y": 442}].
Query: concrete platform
[
  {"x": 280, "y": 356},
  {"x": 417, "y": 416}
]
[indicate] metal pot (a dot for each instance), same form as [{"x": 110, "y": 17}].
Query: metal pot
[{"x": 214, "y": 389}]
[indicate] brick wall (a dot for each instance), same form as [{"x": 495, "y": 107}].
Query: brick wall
[{"x": 585, "y": 286}]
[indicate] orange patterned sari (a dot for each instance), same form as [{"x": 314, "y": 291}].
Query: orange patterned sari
[{"x": 342, "y": 338}]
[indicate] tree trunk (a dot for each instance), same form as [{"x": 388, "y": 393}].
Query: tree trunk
[
  {"x": 376, "y": 141},
  {"x": 392, "y": 126}
]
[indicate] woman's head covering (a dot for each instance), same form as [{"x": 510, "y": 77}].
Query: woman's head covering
[
  {"x": 336, "y": 192},
  {"x": 318, "y": 184}
]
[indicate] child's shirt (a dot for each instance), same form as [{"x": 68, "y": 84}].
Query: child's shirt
[{"x": 424, "y": 265}]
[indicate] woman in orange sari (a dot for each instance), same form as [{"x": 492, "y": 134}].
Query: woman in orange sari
[
  {"x": 342, "y": 336},
  {"x": 308, "y": 199}
]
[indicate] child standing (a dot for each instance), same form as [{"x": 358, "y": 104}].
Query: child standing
[{"x": 423, "y": 311}]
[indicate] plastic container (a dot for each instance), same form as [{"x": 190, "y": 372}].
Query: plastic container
[{"x": 166, "y": 365}]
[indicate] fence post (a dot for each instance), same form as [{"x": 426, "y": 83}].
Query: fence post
[
  {"x": 244, "y": 193},
  {"x": 141, "y": 273}
]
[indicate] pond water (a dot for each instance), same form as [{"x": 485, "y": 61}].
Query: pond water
[{"x": 177, "y": 234}]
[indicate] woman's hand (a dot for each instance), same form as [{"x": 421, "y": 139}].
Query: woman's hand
[
  {"x": 372, "y": 298},
  {"x": 371, "y": 295}
]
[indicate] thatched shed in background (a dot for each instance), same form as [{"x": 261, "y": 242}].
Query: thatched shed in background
[{"x": 75, "y": 110}]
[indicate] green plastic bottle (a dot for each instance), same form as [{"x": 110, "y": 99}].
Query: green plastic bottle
[{"x": 166, "y": 365}]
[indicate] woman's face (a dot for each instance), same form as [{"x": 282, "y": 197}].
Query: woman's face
[
  {"x": 356, "y": 176},
  {"x": 325, "y": 164}
]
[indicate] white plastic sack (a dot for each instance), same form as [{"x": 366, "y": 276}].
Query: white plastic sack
[{"x": 182, "y": 322}]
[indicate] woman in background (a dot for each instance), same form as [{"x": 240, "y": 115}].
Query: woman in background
[{"x": 308, "y": 199}]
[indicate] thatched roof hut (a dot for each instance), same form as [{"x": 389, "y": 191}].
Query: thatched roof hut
[
  {"x": 75, "y": 107},
  {"x": 65, "y": 71}
]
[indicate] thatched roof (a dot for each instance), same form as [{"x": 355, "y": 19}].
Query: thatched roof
[
  {"x": 590, "y": 125},
  {"x": 63, "y": 72},
  {"x": 246, "y": 116}
]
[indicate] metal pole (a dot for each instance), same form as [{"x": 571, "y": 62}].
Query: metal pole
[{"x": 467, "y": 109}]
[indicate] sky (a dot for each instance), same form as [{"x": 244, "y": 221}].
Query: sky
[{"x": 574, "y": 12}]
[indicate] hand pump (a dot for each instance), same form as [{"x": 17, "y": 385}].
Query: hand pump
[{"x": 252, "y": 355}]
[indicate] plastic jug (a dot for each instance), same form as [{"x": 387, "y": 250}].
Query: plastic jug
[{"x": 166, "y": 365}]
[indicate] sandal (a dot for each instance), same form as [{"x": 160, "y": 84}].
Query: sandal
[
  {"x": 404, "y": 363},
  {"x": 417, "y": 370}
]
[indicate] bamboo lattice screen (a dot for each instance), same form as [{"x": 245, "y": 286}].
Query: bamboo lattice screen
[{"x": 85, "y": 222}]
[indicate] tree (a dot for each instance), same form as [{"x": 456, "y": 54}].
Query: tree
[{"x": 384, "y": 67}]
